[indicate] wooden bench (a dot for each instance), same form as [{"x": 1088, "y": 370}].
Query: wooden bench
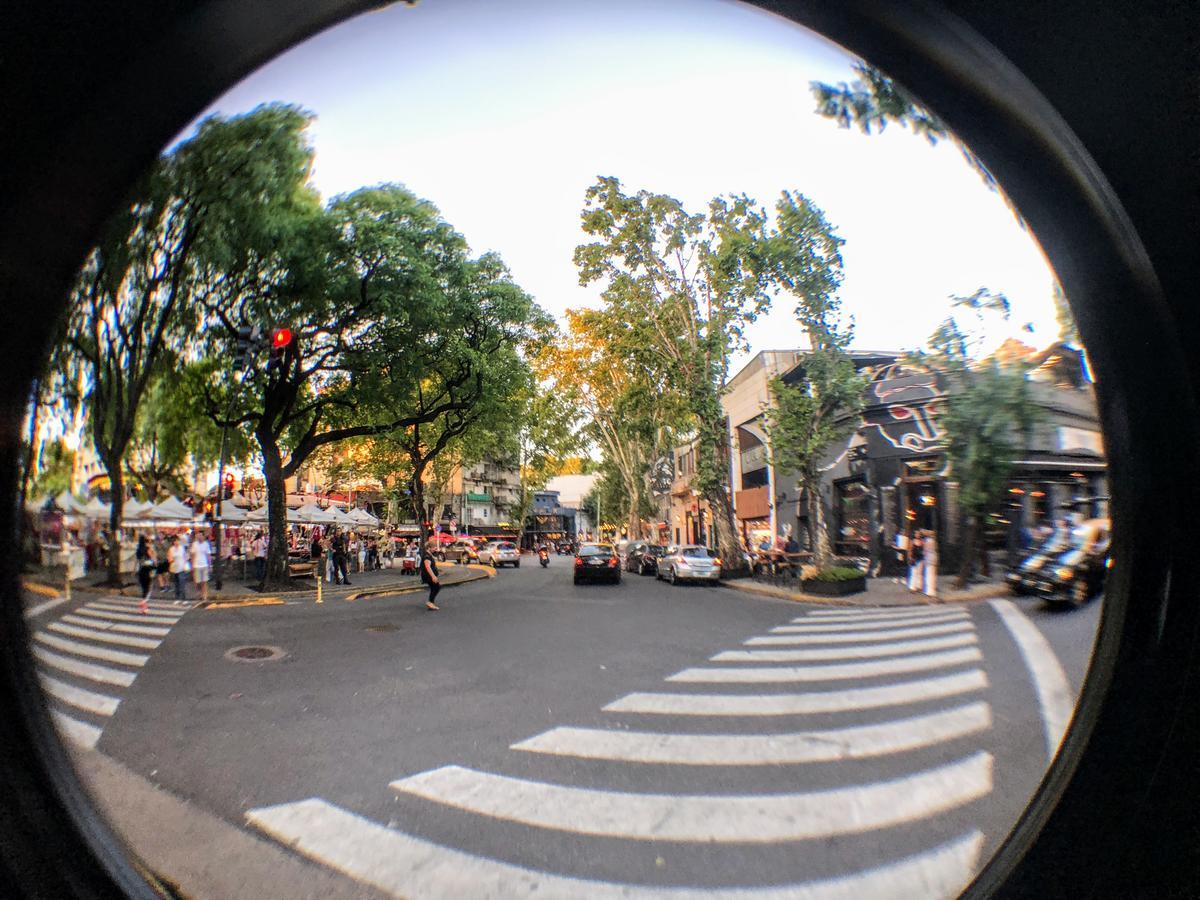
[{"x": 302, "y": 569}]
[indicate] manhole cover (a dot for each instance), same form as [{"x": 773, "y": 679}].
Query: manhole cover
[
  {"x": 383, "y": 629},
  {"x": 255, "y": 654}
]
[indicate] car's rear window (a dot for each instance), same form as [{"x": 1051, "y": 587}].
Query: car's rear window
[
  {"x": 656, "y": 550},
  {"x": 507, "y": 545},
  {"x": 596, "y": 550},
  {"x": 696, "y": 551}
]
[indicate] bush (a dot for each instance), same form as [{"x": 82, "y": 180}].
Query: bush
[{"x": 837, "y": 573}]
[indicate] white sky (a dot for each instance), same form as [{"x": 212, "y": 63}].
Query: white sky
[{"x": 503, "y": 114}]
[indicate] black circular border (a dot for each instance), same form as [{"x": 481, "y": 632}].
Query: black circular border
[{"x": 90, "y": 97}]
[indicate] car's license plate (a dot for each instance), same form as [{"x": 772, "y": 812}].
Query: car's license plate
[{"x": 595, "y": 562}]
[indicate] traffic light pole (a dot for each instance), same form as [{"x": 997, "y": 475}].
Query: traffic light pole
[{"x": 219, "y": 562}]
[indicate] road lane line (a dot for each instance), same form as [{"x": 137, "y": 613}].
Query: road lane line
[
  {"x": 801, "y": 704},
  {"x": 880, "y": 612},
  {"x": 855, "y": 636},
  {"x": 75, "y": 647},
  {"x": 857, "y": 742},
  {"x": 406, "y": 866},
  {"x": 171, "y": 608},
  {"x": 132, "y": 610},
  {"x": 105, "y": 625},
  {"x": 44, "y": 606},
  {"x": 769, "y": 675},
  {"x": 802, "y": 627},
  {"x": 847, "y": 652},
  {"x": 1055, "y": 698},
  {"x": 760, "y": 818},
  {"x": 91, "y": 671},
  {"x": 108, "y": 616},
  {"x": 107, "y": 636},
  {"x": 80, "y": 698},
  {"x": 78, "y": 732}
]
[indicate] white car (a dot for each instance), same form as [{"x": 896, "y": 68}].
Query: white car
[
  {"x": 500, "y": 553},
  {"x": 691, "y": 562}
]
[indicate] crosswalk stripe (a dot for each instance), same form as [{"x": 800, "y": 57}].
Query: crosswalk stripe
[
  {"x": 801, "y": 704},
  {"x": 91, "y": 671},
  {"x": 760, "y": 819},
  {"x": 80, "y": 698},
  {"x": 105, "y": 625},
  {"x": 876, "y": 612},
  {"x": 857, "y": 742},
  {"x": 856, "y": 636},
  {"x": 117, "y": 656},
  {"x": 847, "y": 652},
  {"x": 837, "y": 627},
  {"x": 45, "y": 605},
  {"x": 839, "y": 672},
  {"x": 108, "y": 616},
  {"x": 170, "y": 615},
  {"x": 102, "y": 635},
  {"x": 152, "y": 604},
  {"x": 78, "y": 732},
  {"x": 400, "y": 864}
]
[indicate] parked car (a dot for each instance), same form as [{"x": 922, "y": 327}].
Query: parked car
[
  {"x": 1023, "y": 579},
  {"x": 643, "y": 556},
  {"x": 597, "y": 562},
  {"x": 462, "y": 551},
  {"x": 690, "y": 562},
  {"x": 500, "y": 553},
  {"x": 1077, "y": 575}
]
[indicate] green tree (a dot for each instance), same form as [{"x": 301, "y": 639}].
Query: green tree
[
  {"x": 133, "y": 297},
  {"x": 53, "y": 469},
  {"x": 687, "y": 285},
  {"x": 548, "y": 433},
  {"x": 988, "y": 414}
]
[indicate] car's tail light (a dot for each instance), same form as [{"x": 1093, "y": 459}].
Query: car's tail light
[
  {"x": 613, "y": 561},
  {"x": 579, "y": 560},
  {"x": 716, "y": 560}
]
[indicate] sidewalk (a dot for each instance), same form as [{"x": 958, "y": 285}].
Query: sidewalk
[
  {"x": 880, "y": 592},
  {"x": 237, "y": 592}
]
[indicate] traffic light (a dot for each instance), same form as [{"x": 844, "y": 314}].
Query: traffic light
[
  {"x": 228, "y": 486},
  {"x": 281, "y": 339},
  {"x": 249, "y": 339}
]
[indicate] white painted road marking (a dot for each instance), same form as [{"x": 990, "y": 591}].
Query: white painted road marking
[
  {"x": 800, "y": 704},
  {"x": 812, "y": 654},
  {"x": 1054, "y": 694},
  {"x": 127, "y": 609},
  {"x": 117, "y": 656},
  {"x": 80, "y": 698},
  {"x": 94, "y": 634},
  {"x": 767, "y": 675},
  {"x": 44, "y": 606},
  {"x": 109, "y": 616},
  {"x": 763, "y": 818},
  {"x": 171, "y": 608},
  {"x": 91, "y": 671},
  {"x": 105, "y": 625},
  {"x": 876, "y": 612},
  {"x": 78, "y": 732},
  {"x": 406, "y": 866},
  {"x": 856, "y": 742},
  {"x": 854, "y": 637},
  {"x": 825, "y": 626}
]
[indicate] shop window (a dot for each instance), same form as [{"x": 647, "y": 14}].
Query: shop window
[{"x": 853, "y": 518}]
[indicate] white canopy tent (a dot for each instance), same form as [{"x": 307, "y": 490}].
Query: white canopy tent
[
  {"x": 170, "y": 510},
  {"x": 97, "y": 510},
  {"x": 69, "y": 504},
  {"x": 362, "y": 517},
  {"x": 136, "y": 509},
  {"x": 311, "y": 514}
]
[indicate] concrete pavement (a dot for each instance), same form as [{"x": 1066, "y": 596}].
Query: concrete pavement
[{"x": 879, "y": 592}]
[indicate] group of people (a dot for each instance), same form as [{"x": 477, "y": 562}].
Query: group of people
[
  {"x": 175, "y": 560},
  {"x": 333, "y": 554}
]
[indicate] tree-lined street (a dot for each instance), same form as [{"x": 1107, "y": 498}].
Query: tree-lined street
[{"x": 538, "y": 733}]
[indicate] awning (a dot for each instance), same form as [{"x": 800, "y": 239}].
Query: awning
[{"x": 478, "y": 498}]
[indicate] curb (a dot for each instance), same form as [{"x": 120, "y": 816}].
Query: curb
[
  {"x": 979, "y": 594},
  {"x": 411, "y": 589}
]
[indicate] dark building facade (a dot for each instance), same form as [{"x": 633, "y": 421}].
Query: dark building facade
[{"x": 548, "y": 521}]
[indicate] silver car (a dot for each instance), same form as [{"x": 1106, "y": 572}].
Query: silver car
[
  {"x": 690, "y": 562},
  {"x": 500, "y": 553}
]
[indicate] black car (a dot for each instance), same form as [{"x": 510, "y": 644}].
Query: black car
[
  {"x": 1024, "y": 578},
  {"x": 597, "y": 562},
  {"x": 642, "y": 557},
  {"x": 1077, "y": 575}
]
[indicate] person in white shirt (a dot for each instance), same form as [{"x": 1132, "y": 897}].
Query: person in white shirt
[
  {"x": 201, "y": 554},
  {"x": 177, "y": 559},
  {"x": 259, "y": 549}
]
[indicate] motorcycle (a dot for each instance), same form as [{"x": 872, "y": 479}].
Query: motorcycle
[{"x": 544, "y": 557}]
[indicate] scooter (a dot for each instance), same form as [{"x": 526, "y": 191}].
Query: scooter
[{"x": 544, "y": 557}]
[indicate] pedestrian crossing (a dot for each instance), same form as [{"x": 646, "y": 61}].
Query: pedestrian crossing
[
  {"x": 87, "y": 655},
  {"x": 897, "y": 686}
]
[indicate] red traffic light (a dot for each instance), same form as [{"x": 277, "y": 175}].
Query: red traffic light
[
  {"x": 229, "y": 480},
  {"x": 281, "y": 337}
]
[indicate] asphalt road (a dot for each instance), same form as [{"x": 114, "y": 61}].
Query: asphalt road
[{"x": 468, "y": 752}]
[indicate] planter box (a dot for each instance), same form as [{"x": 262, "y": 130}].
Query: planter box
[{"x": 834, "y": 588}]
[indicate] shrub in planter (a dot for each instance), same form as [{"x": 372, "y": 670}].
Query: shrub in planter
[{"x": 836, "y": 581}]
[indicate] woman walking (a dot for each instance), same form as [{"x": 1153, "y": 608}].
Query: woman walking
[
  {"x": 146, "y": 563},
  {"x": 916, "y": 562},
  {"x": 931, "y": 564},
  {"x": 201, "y": 559},
  {"x": 429, "y": 575}
]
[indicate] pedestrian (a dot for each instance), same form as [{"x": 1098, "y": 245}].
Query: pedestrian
[
  {"x": 259, "y": 548},
  {"x": 429, "y": 575},
  {"x": 339, "y": 560},
  {"x": 931, "y": 564},
  {"x": 163, "y": 567},
  {"x": 362, "y": 554},
  {"x": 201, "y": 559},
  {"x": 177, "y": 559},
  {"x": 146, "y": 564},
  {"x": 916, "y": 561}
]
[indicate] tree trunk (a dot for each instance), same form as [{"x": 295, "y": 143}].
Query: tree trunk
[
  {"x": 277, "y": 547},
  {"x": 818, "y": 528},
  {"x": 970, "y": 538},
  {"x": 634, "y": 525},
  {"x": 116, "y": 510},
  {"x": 418, "y": 503}
]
